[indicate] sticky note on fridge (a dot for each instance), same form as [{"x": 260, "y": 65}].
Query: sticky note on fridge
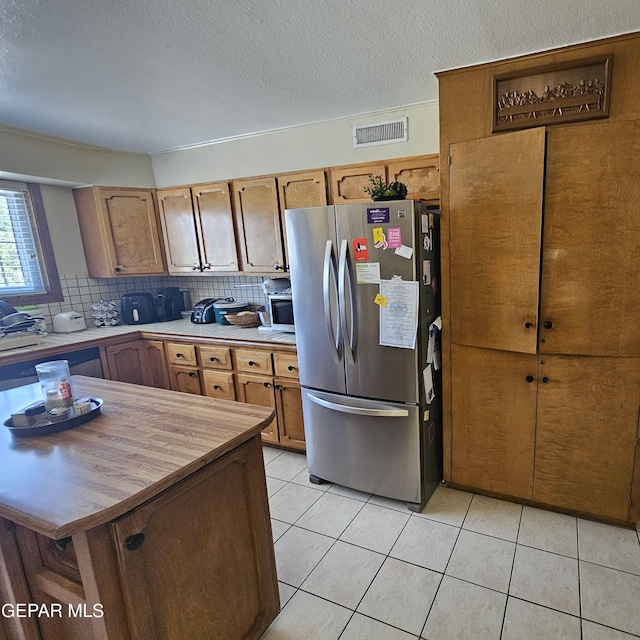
[
  {"x": 381, "y": 300},
  {"x": 404, "y": 252}
]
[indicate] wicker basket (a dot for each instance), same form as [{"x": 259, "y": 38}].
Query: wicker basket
[{"x": 245, "y": 320}]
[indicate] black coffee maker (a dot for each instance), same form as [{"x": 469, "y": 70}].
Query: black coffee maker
[{"x": 170, "y": 303}]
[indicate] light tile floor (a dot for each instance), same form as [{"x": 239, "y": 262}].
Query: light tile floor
[{"x": 352, "y": 566}]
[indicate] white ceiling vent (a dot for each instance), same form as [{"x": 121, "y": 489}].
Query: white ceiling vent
[{"x": 365, "y": 135}]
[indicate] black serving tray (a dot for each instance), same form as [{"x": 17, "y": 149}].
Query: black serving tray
[{"x": 48, "y": 427}]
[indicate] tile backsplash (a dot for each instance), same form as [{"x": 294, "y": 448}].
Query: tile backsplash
[{"x": 81, "y": 291}]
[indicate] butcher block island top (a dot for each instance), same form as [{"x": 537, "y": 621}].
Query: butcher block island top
[
  {"x": 144, "y": 441},
  {"x": 154, "y": 514}
]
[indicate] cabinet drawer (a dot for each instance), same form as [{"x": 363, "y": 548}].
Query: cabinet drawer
[
  {"x": 215, "y": 357},
  {"x": 218, "y": 384},
  {"x": 250, "y": 361},
  {"x": 286, "y": 365},
  {"x": 178, "y": 353}
]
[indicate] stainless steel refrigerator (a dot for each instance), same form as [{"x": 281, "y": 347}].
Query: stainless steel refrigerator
[{"x": 365, "y": 282}]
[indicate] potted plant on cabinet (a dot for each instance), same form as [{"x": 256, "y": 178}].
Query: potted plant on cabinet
[{"x": 379, "y": 190}]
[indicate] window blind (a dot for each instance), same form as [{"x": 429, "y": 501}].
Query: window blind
[{"x": 21, "y": 270}]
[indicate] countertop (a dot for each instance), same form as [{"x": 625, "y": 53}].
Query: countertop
[
  {"x": 55, "y": 343},
  {"x": 144, "y": 441}
]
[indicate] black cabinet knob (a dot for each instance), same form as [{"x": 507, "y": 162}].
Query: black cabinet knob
[
  {"x": 213, "y": 359},
  {"x": 548, "y": 324},
  {"x": 251, "y": 363},
  {"x": 217, "y": 387},
  {"x": 266, "y": 384},
  {"x": 277, "y": 267},
  {"x": 135, "y": 541},
  {"x": 192, "y": 374},
  {"x": 545, "y": 379},
  {"x": 528, "y": 325},
  {"x": 290, "y": 367},
  {"x": 179, "y": 355},
  {"x": 61, "y": 544},
  {"x": 117, "y": 269},
  {"x": 529, "y": 378}
]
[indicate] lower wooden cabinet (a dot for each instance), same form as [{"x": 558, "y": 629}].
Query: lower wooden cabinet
[
  {"x": 194, "y": 562},
  {"x": 138, "y": 362},
  {"x": 567, "y": 437},
  {"x": 261, "y": 376},
  {"x": 259, "y": 390}
]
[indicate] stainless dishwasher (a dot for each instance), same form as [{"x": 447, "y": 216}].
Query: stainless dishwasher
[{"x": 84, "y": 362}]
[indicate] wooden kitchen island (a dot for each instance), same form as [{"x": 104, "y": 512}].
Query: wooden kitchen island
[{"x": 151, "y": 521}]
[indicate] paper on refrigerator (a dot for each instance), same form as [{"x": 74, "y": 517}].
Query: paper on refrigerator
[{"x": 399, "y": 317}]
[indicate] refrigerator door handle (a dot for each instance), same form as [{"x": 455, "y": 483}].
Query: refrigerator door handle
[
  {"x": 361, "y": 411},
  {"x": 335, "y": 338},
  {"x": 344, "y": 277}
]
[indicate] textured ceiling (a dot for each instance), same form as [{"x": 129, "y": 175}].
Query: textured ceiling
[{"x": 152, "y": 75}]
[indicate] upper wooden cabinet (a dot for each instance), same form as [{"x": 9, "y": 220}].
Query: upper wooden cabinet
[
  {"x": 302, "y": 189},
  {"x": 297, "y": 191},
  {"x": 421, "y": 175},
  {"x": 198, "y": 229},
  {"x": 259, "y": 225},
  {"x": 347, "y": 183},
  {"x": 120, "y": 231}
]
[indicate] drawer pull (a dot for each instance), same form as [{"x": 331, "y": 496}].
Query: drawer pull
[
  {"x": 179, "y": 355},
  {"x": 266, "y": 384},
  {"x": 135, "y": 541},
  {"x": 192, "y": 374},
  {"x": 251, "y": 363},
  {"x": 213, "y": 359},
  {"x": 217, "y": 387},
  {"x": 291, "y": 367}
]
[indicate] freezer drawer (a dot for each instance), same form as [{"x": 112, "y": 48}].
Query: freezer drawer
[{"x": 371, "y": 446}]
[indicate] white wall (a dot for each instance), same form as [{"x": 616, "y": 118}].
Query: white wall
[
  {"x": 64, "y": 229},
  {"x": 306, "y": 147},
  {"x": 34, "y": 158}
]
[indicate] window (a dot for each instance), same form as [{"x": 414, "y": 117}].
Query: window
[{"x": 28, "y": 273}]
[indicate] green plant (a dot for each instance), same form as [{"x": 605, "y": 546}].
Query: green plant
[{"x": 379, "y": 189}]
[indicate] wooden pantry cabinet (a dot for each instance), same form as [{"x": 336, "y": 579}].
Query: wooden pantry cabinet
[
  {"x": 541, "y": 359},
  {"x": 198, "y": 228},
  {"x": 120, "y": 231}
]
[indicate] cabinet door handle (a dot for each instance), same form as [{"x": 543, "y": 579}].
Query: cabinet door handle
[
  {"x": 528, "y": 325},
  {"x": 192, "y": 374},
  {"x": 206, "y": 266},
  {"x": 135, "y": 541},
  {"x": 266, "y": 384},
  {"x": 545, "y": 379},
  {"x": 61, "y": 544},
  {"x": 117, "y": 269},
  {"x": 278, "y": 386},
  {"x": 277, "y": 267},
  {"x": 548, "y": 324},
  {"x": 196, "y": 267},
  {"x": 529, "y": 378}
]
